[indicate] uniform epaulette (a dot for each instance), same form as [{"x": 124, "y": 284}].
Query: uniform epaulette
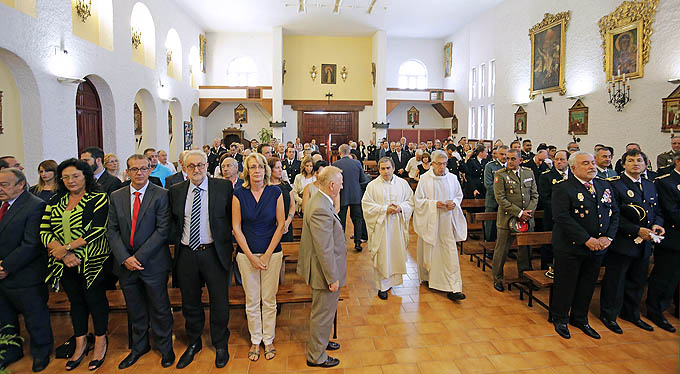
[
  {"x": 611, "y": 179},
  {"x": 524, "y": 167},
  {"x": 525, "y": 161},
  {"x": 546, "y": 171},
  {"x": 560, "y": 181},
  {"x": 501, "y": 169},
  {"x": 662, "y": 176}
]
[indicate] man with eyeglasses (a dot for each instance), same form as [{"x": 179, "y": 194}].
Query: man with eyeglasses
[
  {"x": 137, "y": 229},
  {"x": 200, "y": 210}
]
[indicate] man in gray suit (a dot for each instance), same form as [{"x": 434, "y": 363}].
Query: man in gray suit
[
  {"x": 138, "y": 227},
  {"x": 322, "y": 263}
]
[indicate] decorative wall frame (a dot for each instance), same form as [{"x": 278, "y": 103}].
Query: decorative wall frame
[
  {"x": 448, "y": 55},
  {"x": 520, "y": 121},
  {"x": 547, "y": 54},
  {"x": 670, "y": 118},
  {"x": 2, "y": 131},
  {"x": 138, "y": 120},
  {"x": 328, "y": 73},
  {"x": 628, "y": 27},
  {"x": 413, "y": 116},
  {"x": 373, "y": 72},
  {"x": 240, "y": 114},
  {"x": 578, "y": 119},
  {"x": 169, "y": 123},
  {"x": 203, "y": 51},
  {"x": 188, "y": 135},
  {"x": 454, "y": 124}
]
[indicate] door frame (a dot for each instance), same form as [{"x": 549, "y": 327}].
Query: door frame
[{"x": 99, "y": 110}]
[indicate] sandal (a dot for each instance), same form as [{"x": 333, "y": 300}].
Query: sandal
[
  {"x": 269, "y": 352},
  {"x": 254, "y": 353}
]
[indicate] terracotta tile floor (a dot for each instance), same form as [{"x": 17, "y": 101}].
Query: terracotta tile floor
[{"x": 416, "y": 330}]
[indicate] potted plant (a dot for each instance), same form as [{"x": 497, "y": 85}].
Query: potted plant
[
  {"x": 265, "y": 134},
  {"x": 7, "y": 340}
]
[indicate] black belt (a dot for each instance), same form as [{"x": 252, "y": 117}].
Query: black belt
[{"x": 202, "y": 247}]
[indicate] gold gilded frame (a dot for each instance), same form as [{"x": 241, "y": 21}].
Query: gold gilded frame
[
  {"x": 549, "y": 21},
  {"x": 628, "y": 15}
]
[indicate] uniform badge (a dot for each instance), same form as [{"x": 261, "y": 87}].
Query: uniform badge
[
  {"x": 678, "y": 187},
  {"x": 495, "y": 179},
  {"x": 606, "y": 196},
  {"x": 610, "y": 212},
  {"x": 555, "y": 181},
  {"x": 586, "y": 211},
  {"x": 579, "y": 196},
  {"x": 630, "y": 193},
  {"x": 581, "y": 215}
]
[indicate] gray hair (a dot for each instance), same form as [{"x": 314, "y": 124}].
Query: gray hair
[
  {"x": 439, "y": 154},
  {"x": 503, "y": 147},
  {"x": 194, "y": 152},
  {"x": 386, "y": 159},
  {"x": 181, "y": 157},
  {"x": 343, "y": 149},
  {"x": 328, "y": 174},
  {"x": 419, "y": 152},
  {"x": 18, "y": 174},
  {"x": 516, "y": 152},
  {"x": 231, "y": 160},
  {"x": 572, "y": 158}
]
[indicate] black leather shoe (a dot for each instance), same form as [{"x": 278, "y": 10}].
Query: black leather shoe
[
  {"x": 168, "y": 359},
  {"x": 382, "y": 295},
  {"x": 512, "y": 255},
  {"x": 333, "y": 346},
  {"x": 221, "y": 357},
  {"x": 562, "y": 330},
  {"x": 587, "y": 330},
  {"x": 39, "y": 364},
  {"x": 329, "y": 363},
  {"x": 131, "y": 359},
  {"x": 640, "y": 323},
  {"x": 189, "y": 354},
  {"x": 455, "y": 296},
  {"x": 663, "y": 323},
  {"x": 612, "y": 325},
  {"x": 498, "y": 286},
  {"x": 357, "y": 246}
]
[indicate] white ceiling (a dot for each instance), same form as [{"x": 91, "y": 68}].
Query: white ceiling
[{"x": 399, "y": 18}]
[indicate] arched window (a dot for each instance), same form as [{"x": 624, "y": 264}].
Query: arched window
[
  {"x": 413, "y": 74},
  {"x": 242, "y": 71}
]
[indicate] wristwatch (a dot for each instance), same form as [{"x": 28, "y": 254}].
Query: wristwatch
[{"x": 68, "y": 247}]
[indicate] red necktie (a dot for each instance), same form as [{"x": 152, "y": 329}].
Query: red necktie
[
  {"x": 4, "y": 209},
  {"x": 135, "y": 213}
]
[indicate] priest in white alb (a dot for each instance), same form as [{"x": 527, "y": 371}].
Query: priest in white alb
[
  {"x": 439, "y": 222},
  {"x": 387, "y": 206}
]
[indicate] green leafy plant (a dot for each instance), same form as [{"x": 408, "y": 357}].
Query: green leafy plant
[
  {"x": 265, "y": 134},
  {"x": 7, "y": 340}
]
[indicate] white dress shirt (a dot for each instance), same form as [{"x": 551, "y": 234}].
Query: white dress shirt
[
  {"x": 206, "y": 233},
  {"x": 142, "y": 192}
]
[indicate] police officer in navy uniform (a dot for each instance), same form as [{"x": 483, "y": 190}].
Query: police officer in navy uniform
[
  {"x": 546, "y": 185},
  {"x": 586, "y": 219},
  {"x": 666, "y": 273},
  {"x": 627, "y": 261}
]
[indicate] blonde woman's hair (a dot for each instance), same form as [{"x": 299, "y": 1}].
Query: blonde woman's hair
[
  {"x": 109, "y": 156},
  {"x": 245, "y": 175},
  {"x": 302, "y": 166}
]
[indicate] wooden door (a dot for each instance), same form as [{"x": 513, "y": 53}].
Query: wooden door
[
  {"x": 88, "y": 117},
  {"x": 320, "y": 125}
]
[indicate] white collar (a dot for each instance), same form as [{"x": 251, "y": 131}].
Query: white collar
[
  {"x": 582, "y": 181},
  {"x": 327, "y": 197},
  {"x": 633, "y": 179},
  {"x": 11, "y": 202},
  {"x": 203, "y": 185},
  {"x": 99, "y": 175},
  {"x": 141, "y": 190}
]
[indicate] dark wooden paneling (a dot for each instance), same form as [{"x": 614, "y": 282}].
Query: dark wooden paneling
[
  {"x": 88, "y": 117},
  {"x": 342, "y": 127}
]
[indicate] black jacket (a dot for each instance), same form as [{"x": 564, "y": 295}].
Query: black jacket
[
  {"x": 474, "y": 173},
  {"x": 291, "y": 167},
  {"x": 546, "y": 183},
  {"x": 108, "y": 183},
  {"x": 353, "y": 177},
  {"x": 174, "y": 179},
  {"x": 668, "y": 188}
]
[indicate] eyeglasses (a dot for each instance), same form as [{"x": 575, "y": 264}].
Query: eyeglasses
[
  {"x": 135, "y": 170},
  {"x": 442, "y": 163},
  {"x": 196, "y": 166},
  {"x": 67, "y": 178}
]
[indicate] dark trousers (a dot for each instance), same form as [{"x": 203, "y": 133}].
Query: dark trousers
[
  {"x": 490, "y": 226},
  {"x": 193, "y": 269},
  {"x": 109, "y": 277},
  {"x": 622, "y": 286},
  {"x": 663, "y": 281},
  {"x": 547, "y": 254},
  {"x": 148, "y": 303},
  {"x": 575, "y": 278},
  {"x": 32, "y": 303},
  {"x": 86, "y": 301},
  {"x": 357, "y": 217}
]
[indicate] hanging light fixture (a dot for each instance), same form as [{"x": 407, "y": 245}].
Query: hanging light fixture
[
  {"x": 84, "y": 9},
  {"x": 136, "y": 37}
]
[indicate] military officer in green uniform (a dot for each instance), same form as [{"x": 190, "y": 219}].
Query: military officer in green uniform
[
  {"x": 490, "y": 204},
  {"x": 665, "y": 159},
  {"x": 517, "y": 196}
]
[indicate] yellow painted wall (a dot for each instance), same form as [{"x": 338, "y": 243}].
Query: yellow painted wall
[
  {"x": 138, "y": 53},
  {"x": 174, "y": 68},
  {"x": 11, "y": 141},
  {"x": 88, "y": 30},
  {"x": 26, "y": 6},
  {"x": 303, "y": 51}
]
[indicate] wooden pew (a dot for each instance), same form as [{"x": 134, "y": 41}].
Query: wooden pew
[
  {"x": 297, "y": 227},
  {"x": 291, "y": 251}
]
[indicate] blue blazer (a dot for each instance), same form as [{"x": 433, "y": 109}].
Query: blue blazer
[{"x": 353, "y": 177}]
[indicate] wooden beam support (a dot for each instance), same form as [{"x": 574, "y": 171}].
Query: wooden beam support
[
  {"x": 444, "y": 108},
  {"x": 206, "y": 106}
]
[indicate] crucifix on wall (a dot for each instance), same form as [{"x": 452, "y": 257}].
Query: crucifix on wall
[{"x": 329, "y": 95}]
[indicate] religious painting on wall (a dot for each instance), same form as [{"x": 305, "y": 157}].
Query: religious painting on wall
[
  {"x": 547, "y": 54},
  {"x": 578, "y": 119},
  {"x": 328, "y": 73},
  {"x": 626, "y": 39},
  {"x": 454, "y": 124},
  {"x": 448, "y": 54},
  {"x": 170, "y": 123},
  {"x": 203, "y": 54},
  {"x": 520, "y": 121},
  {"x": 188, "y": 135},
  {"x": 670, "y": 120},
  {"x": 240, "y": 114},
  {"x": 413, "y": 116},
  {"x": 138, "y": 120}
]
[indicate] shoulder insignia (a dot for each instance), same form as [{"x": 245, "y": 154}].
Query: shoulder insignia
[
  {"x": 611, "y": 179},
  {"x": 501, "y": 170},
  {"x": 662, "y": 176},
  {"x": 560, "y": 181},
  {"x": 546, "y": 172},
  {"x": 526, "y": 168},
  {"x": 525, "y": 161}
]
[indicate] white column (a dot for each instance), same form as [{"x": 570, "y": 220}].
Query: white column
[
  {"x": 379, "y": 40},
  {"x": 277, "y": 84}
]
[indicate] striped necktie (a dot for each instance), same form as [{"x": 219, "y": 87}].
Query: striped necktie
[{"x": 195, "y": 226}]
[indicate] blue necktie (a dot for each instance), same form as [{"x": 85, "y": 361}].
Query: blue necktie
[{"x": 195, "y": 226}]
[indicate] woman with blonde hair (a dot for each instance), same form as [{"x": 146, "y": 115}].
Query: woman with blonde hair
[
  {"x": 305, "y": 177},
  {"x": 47, "y": 184},
  {"x": 258, "y": 221},
  {"x": 112, "y": 166}
]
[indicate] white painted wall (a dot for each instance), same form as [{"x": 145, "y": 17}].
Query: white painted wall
[
  {"x": 429, "y": 117},
  {"x": 428, "y": 51},
  {"x": 223, "y": 117},
  {"x": 224, "y": 47},
  {"x": 49, "y": 123},
  {"x": 502, "y": 33}
]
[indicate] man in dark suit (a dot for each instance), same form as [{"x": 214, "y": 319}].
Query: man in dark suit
[
  {"x": 138, "y": 226},
  {"x": 200, "y": 210},
  {"x": 94, "y": 156},
  {"x": 474, "y": 171},
  {"x": 23, "y": 263},
  {"x": 586, "y": 220},
  {"x": 537, "y": 165},
  {"x": 627, "y": 262},
  {"x": 181, "y": 174},
  {"x": 350, "y": 196},
  {"x": 666, "y": 273},
  {"x": 527, "y": 154},
  {"x": 546, "y": 184},
  {"x": 400, "y": 158},
  {"x": 290, "y": 164}
]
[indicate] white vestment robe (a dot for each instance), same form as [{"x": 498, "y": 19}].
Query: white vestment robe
[
  {"x": 388, "y": 234},
  {"x": 438, "y": 231}
]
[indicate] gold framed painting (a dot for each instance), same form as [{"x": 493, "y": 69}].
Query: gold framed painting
[
  {"x": 240, "y": 114},
  {"x": 448, "y": 54},
  {"x": 520, "y": 121},
  {"x": 670, "y": 119},
  {"x": 203, "y": 54},
  {"x": 547, "y": 54},
  {"x": 328, "y": 73},
  {"x": 578, "y": 119},
  {"x": 413, "y": 116}
]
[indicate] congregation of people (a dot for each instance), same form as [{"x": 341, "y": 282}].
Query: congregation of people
[{"x": 96, "y": 223}]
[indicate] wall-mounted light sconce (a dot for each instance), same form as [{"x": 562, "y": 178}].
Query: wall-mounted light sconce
[
  {"x": 619, "y": 93},
  {"x": 313, "y": 73},
  {"x": 84, "y": 9},
  {"x": 136, "y": 37},
  {"x": 168, "y": 56},
  {"x": 674, "y": 81},
  {"x": 70, "y": 80},
  {"x": 344, "y": 73}
]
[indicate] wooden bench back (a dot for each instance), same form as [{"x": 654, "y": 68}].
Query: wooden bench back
[
  {"x": 491, "y": 216},
  {"x": 534, "y": 238},
  {"x": 472, "y": 203}
]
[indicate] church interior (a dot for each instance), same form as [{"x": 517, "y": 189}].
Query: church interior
[{"x": 127, "y": 75}]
